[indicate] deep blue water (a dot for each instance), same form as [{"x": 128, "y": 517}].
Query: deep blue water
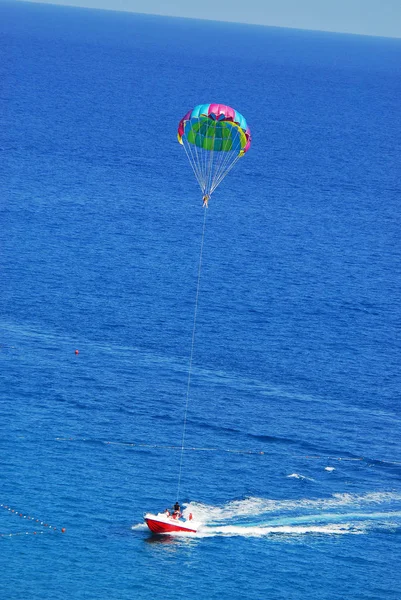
[{"x": 293, "y": 430}]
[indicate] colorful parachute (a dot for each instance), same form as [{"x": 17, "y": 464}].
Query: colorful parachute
[{"x": 214, "y": 137}]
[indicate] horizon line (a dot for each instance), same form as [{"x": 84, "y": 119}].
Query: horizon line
[{"x": 247, "y": 23}]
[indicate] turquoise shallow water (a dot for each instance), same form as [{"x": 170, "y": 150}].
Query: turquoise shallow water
[{"x": 293, "y": 435}]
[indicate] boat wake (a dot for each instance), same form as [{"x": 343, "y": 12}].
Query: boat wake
[{"x": 341, "y": 514}]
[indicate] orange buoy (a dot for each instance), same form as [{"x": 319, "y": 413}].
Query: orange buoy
[{"x": 63, "y": 530}]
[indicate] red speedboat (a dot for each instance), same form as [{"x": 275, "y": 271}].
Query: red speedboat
[{"x": 164, "y": 523}]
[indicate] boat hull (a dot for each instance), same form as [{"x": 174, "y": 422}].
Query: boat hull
[{"x": 159, "y": 524}]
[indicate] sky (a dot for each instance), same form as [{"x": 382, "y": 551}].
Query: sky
[{"x": 367, "y": 17}]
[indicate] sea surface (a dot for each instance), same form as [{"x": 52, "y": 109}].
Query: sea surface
[{"x": 292, "y": 460}]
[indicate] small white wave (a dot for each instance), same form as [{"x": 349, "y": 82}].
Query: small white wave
[
  {"x": 298, "y": 476},
  {"x": 330, "y": 469}
]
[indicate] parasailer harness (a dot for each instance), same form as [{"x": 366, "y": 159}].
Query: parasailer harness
[{"x": 191, "y": 355}]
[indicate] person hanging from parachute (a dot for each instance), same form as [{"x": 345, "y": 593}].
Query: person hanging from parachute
[{"x": 215, "y": 137}]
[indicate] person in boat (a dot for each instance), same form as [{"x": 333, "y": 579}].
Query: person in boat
[
  {"x": 167, "y": 512},
  {"x": 206, "y": 199},
  {"x": 176, "y": 510}
]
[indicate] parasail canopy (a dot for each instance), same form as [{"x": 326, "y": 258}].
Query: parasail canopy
[{"x": 215, "y": 137}]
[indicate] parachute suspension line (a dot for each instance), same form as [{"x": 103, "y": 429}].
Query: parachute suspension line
[
  {"x": 224, "y": 160},
  {"x": 217, "y": 159},
  {"x": 226, "y": 165},
  {"x": 224, "y": 174},
  {"x": 193, "y": 162},
  {"x": 208, "y": 157},
  {"x": 202, "y": 161},
  {"x": 199, "y": 163},
  {"x": 197, "y": 160},
  {"x": 210, "y": 171},
  {"x": 209, "y": 166},
  {"x": 191, "y": 356}
]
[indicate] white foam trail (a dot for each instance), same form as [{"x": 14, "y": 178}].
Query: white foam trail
[
  {"x": 321, "y": 523},
  {"x": 139, "y": 526},
  {"x": 287, "y": 530},
  {"x": 254, "y": 507},
  {"x": 331, "y": 518}
]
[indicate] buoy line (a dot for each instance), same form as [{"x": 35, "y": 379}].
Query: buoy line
[
  {"x": 22, "y": 533},
  {"x": 312, "y": 457},
  {"x": 157, "y": 446},
  {"x": 33, "y": 520}
]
